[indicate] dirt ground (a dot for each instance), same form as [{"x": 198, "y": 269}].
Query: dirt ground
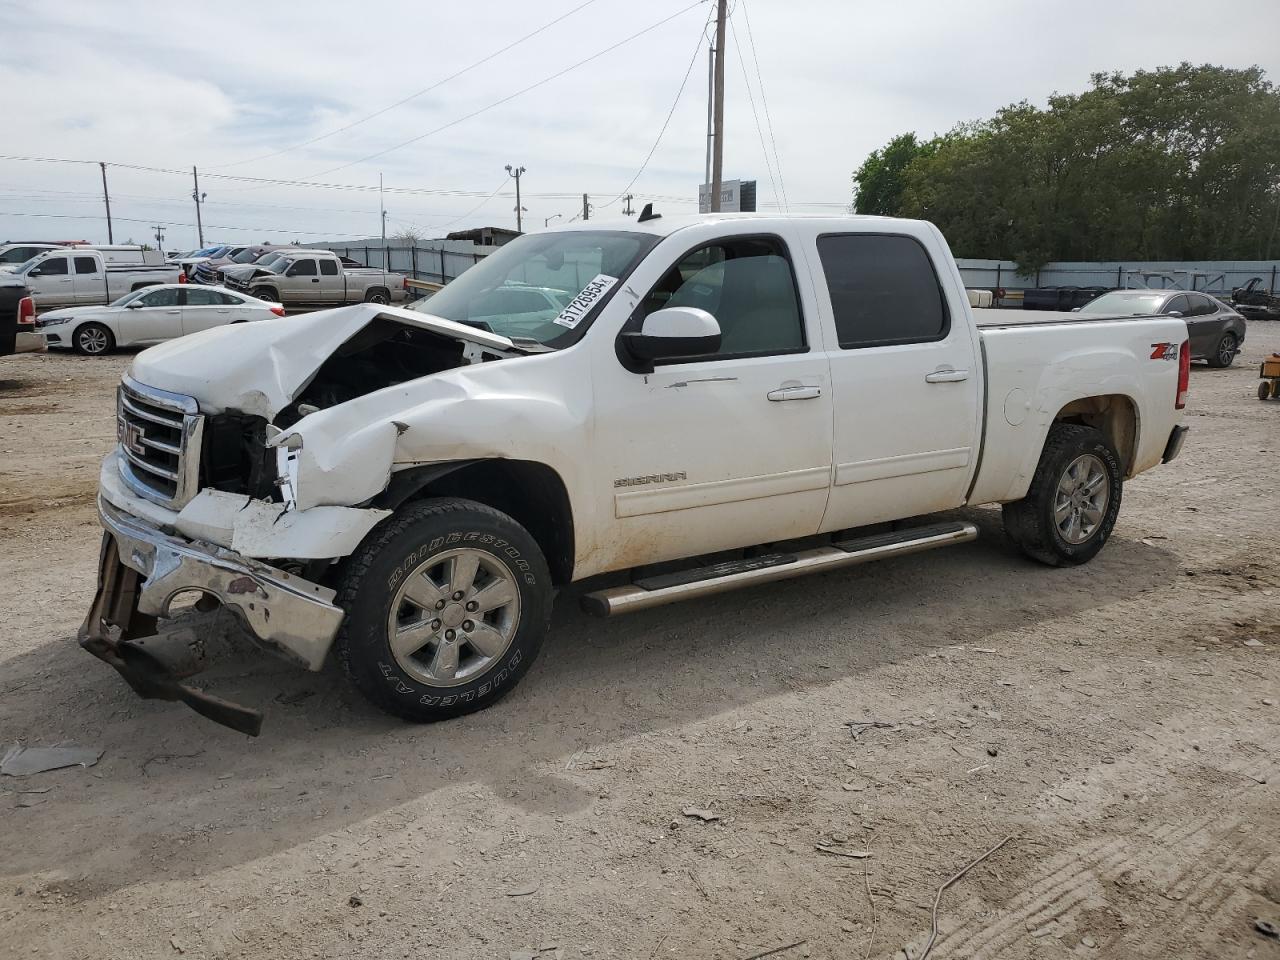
[{"x": 1119, "y": 721}]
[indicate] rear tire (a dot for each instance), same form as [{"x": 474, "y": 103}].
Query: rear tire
[
  {"x": 93, "y": 340},
  {"x": 1224, "y": 354},
  {"x": 447, "y": 604},
  {"x": 1264, "y": 390},
  {"x": 1071, "y": 506},
  {"x": 377, "y": 296}
]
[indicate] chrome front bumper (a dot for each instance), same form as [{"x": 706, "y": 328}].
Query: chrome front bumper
[{"x": 290, "y": 615}]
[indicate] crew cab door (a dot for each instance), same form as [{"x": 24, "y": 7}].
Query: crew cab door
[
  {"x": 52, "y": 282},
  {"x": 714, "y": 452},
  {"x": 157, "y": 316},
  {"x": 90, "y": 280},
  {"x": 906, "y": 375},
  {"x": 204, "y": 308}
]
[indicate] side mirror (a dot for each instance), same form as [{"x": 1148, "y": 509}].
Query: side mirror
[
  {"x": 133, "y": 305},
  {"x": 1174, "y": 313},
  {"x": 672, "y": 332}
]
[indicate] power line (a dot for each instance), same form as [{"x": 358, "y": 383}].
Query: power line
[
  {"x": 755, "y": 116},
  {"x": 509, "y": 97},
  {"x": 777, "y": 163},
  {"x": 665, "y": 123},
  {"x": 412, "y": 96},
  {"x": 166, "y": 223},
  {"x": 311, "y": 184}
]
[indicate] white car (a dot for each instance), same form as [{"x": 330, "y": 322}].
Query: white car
[{"x": 151, "y": 315}]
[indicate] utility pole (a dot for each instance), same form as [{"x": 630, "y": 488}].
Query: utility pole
[
  {"x": 711, "y": 96},
  {"x": 586, "y": 207},
  {"x": 517, "y": 172},
  {"x": 717, "y": 154},
  {"x": 106, "y": 198},
  {"x": 627, "y": 211},
  {"x": 198, "y": 197},
  {"x": 159, "y": 229},
  {"x": 382, "y": 208}
]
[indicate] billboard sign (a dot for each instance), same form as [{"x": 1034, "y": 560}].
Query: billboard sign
[{"x": 736, "y": 196}]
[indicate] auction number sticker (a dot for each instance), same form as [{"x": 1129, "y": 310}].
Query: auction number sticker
[{"x": 581, "y": 305}]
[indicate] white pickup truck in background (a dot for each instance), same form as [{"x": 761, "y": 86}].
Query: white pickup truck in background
[
  {"x": 65, "y": 278},
  {"x": 724, "y": 401}
]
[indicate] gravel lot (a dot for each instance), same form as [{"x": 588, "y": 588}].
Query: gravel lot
[{"x": 1120, "y": 721}]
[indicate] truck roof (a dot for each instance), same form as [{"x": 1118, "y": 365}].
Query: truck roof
[{"x": 666, "y": 224}]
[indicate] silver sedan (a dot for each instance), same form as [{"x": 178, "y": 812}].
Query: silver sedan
[{"x": 1216, "y": 330}]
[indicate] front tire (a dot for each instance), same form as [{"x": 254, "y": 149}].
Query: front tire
[
  {"x": 1071, "y": 506},
  {"x": 269, "y": 294},
  {"x": 93, "y": 340},
  {"x": 447, "y": 605},
  {"x": 1224, "y": 354}
]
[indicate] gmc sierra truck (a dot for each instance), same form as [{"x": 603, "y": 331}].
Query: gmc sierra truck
[{"x": 714, "y": 402}]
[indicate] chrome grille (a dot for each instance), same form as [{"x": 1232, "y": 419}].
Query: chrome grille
[{"x": 159, "y": 434}]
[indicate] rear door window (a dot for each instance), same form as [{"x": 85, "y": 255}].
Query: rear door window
[
  {"x": 884, "y": 290},
  {"x": 86, "y": 265},
  {"x": 1178, "y": 304},
  {"x": 203, "y": 298}
]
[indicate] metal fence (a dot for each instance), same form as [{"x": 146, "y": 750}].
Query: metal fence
[
  {"x": 437, "y": 261},
  {"x": 1211, "y": 276}
]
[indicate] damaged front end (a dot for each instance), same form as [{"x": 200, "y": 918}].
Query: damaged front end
[{"x": 203, "y": 494}]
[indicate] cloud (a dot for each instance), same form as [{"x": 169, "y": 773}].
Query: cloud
[{"x": 169, "y": 86}]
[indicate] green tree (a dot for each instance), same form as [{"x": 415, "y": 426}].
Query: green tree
[
  {"x": 1171, "y": 164},
  {"x": 878, "y": 182}
]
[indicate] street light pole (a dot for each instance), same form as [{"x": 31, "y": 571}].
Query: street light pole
[
  {"x": 517, "y": 172},
  {"x": 555, "y": 216}
]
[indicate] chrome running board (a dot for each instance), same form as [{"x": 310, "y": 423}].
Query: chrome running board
[{"x": 721, "y": 577}]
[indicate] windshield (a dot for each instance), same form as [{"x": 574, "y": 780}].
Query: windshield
[
  {"x": 268, "y": 259},
  {"x": 278, "y": 266},
  {"x": 1125, "y": 303},
  {"x": 520, "y": 291},
  {"x": 246, "y": 255}
]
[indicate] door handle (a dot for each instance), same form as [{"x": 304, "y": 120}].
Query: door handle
[
  {"x": 315, "y": 279},
  {"x": 798, "y": 392},
  {"x": 946, "y": 376},
  {"x": 171, "y": 312}
]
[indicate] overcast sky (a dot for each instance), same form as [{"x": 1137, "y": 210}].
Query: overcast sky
[{"x": 225, "y": 86}]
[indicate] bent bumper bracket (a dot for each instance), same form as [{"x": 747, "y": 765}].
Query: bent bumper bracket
[{"x": 115, "y": 611}]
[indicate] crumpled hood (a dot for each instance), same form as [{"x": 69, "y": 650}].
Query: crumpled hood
[{"x": 258, "y": 368}]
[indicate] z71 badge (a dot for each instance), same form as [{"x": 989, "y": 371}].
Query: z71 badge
[{"x": 1164, "y": 351}]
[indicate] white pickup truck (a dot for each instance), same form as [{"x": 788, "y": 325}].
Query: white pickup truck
[
  {"x": 73, "y": 276},
  {"x": 713, "y": 402}
]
